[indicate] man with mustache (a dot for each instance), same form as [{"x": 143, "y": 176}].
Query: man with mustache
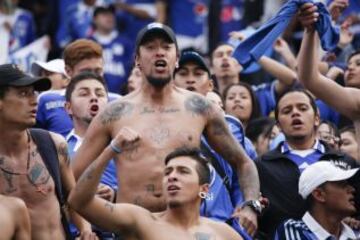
[
  {"x": 279, "y": 170},
  {"x": 166, "y": 118}
]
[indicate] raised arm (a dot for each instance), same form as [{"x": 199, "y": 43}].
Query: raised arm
[
  {"x": 284, "y": 75},
  {"x": 224, "y": 143},
  {"x": 344, "y": 100},
  {"x": 161, "y": 9},
  {"x": 109, "y": 216},
  {"x": 97, "y": 137}
]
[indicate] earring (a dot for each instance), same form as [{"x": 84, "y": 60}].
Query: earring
[{"x": 202, "y": 195}]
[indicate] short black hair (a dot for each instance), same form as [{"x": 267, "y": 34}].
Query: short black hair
[
  {"x": 259, "y": 126},
  {"x": 79, "y": 78},
  {"x": 194, "y": 153},
  {"x": 311, "y": 99}
]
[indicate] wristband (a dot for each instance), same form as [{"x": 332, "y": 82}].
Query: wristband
[{"x": 115, "y": 148}]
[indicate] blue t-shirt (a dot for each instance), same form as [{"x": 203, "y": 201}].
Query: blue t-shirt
[
  {"x": 77, "y": 24},
  {"x": 51, "y": 114},
  {"x": 188, "y": 17},
  {"x": 118, "y": 56},
  {"x": 131, "y": 24},
  {"x": 327, "y": 113},
  {"x": 220, "y": 204},
  {"x": 231, "y": 17},
  {"x": 265, "y": 94}
]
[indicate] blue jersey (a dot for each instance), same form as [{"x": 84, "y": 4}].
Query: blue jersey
[
  {"x": 51, "y": 114},
  {"x": 109, "y": 175},
  {"x": 118, "y": 56},
  {"x": 231, "y": 17},
  {"x": 265, "y": 94},
  {"x": 22, "y": 30},
  {"x": 327, "y": 113},
  {"x": 188, "y": 17},
  {"x": 77, "y": 24},
  {"x": 219, "y": 204},
  {"x": 132, "y": 24}
]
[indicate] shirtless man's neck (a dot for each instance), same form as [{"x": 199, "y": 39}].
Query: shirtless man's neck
[
  {"x": 13, "y": 141},
  {"x": 182, "y": 216},
  {"x": 156, "y": 94}
]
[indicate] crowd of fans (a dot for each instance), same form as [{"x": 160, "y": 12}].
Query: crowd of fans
[{"x": 302, "y": 141}]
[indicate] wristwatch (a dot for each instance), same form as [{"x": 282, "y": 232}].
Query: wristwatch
[{"x": 255, "y": 205}]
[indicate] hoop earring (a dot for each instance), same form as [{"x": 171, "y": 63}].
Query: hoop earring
[{"x": 202, "y": 195}]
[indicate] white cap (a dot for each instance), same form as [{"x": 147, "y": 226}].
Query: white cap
[
  {"x": 319, "y": 173},
  {"x": 55, "y": 66}
]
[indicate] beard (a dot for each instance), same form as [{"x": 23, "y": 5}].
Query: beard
[
  {"x": 158, "y": 82},
  {"x": 174, "y": 204}
]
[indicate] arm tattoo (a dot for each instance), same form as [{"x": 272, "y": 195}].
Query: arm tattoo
[
  {"x": 202, "y": 236},
  {"x": 115, "y": 111},
  {"x": 110, "y": 206},
  {"x": 150, "y": 188},
  {"x": 218, "y": 127},
  {"x": 197, "y": 105},
  {"x": 63, "y": 153}
]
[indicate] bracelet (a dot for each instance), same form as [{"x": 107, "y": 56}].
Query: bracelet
[{"x": 115, "y": 148}]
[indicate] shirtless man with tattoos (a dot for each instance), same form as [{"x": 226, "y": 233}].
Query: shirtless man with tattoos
[
  {"x": 166, "y": 118},
  {"x": 186, "y": 177},
  {"x": 23, "y": 172}
]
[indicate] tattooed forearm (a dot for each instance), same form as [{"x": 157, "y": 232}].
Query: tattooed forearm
[
  {"x": 115, "y": 111},
  {"x": 218, "y": 127},
  {"x": 197, "y": 105}
]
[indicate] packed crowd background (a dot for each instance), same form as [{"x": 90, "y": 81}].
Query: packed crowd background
[{"x": 51, "y": 39}]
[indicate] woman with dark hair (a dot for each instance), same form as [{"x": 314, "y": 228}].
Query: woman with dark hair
[
  {"x": 241, "y": 102},
  {"x": 329, "y": 133},
  {"x": 260, "y": 131}
]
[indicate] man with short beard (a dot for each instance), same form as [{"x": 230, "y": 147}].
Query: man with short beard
[
  {"x": 297, "y": 116},
  {"x": 86, "y": 95},
  {"x": 166, "y": 117}
]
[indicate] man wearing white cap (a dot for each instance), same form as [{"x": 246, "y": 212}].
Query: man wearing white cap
[
  {"x": 330, "y": 199},
  {"x": 54, "y": 70}
]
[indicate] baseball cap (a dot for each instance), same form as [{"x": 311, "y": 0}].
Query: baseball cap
[
  {"x": 55, "y": 66},
  {"x": 11, "y": 75},
  {"x": 155, "y": 29},
  {"x": 191, "y": 56},
  {"x": 320, "y": 172}
]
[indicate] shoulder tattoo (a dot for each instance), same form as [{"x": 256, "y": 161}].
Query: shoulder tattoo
[
  {"x": 115, "y": 111},
  {"x": 197, "y": 105}
]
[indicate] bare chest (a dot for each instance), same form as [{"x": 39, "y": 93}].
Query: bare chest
[
  {"x": 164, "y": 127},
  {"x": 27, "y": 179}
]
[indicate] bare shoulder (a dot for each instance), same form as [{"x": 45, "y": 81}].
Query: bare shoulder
[
  {"x": 60, "y": 143},
  {"x": 13, "y": 204},
  {"x": 198, "y": 104},
  {"x": 61, "y": 147},
  {"x": 222, "y": 229},
  {"x": 115, "y": 110}
]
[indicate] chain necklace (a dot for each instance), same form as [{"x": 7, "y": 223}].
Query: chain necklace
[{"x": 39, "y": 188}]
